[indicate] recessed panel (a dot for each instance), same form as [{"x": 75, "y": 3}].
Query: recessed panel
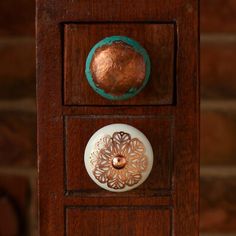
[
  {"x": 157, "y": 39},
  {"x": 117, "y": 221},
  {"x": 79, "y": 129}
]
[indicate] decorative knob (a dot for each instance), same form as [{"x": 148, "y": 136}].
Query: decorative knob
[
  {"x": 117, "y": 68},
  {"x": 118, "y": 157}
]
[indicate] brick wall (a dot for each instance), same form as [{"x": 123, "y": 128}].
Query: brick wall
[
  {"x": 218, "y": 117},
  {"x": 18, "y": 118}
]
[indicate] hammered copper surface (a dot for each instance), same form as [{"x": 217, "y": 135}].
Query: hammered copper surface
[
  {"x": 117, "y": 68},
  {"x": 128, "y": 156}
]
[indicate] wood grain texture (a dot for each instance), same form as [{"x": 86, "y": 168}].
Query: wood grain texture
[
  {"x": 78, "y": 131},
  {"x": 110, "y": 221},
  {"x": 183, "y": 199},
  {"x": 157, "y": 39}
]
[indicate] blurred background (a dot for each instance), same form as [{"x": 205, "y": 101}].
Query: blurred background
[{"x": 18, "y": 215}]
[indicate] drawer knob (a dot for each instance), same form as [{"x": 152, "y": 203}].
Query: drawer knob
[
  {"x": 118, "y": 157},
  {"x": 117, "y": 68}
]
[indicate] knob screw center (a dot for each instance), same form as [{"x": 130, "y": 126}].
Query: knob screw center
[{"x": 119, "y": 161}]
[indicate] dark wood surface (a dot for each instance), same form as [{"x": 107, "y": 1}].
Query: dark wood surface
[
  {"x": 78, "y": 131},
  {"x": 167, "y": 204},
  {"x": 157, "y": 39},
  {"x": 118, "y": 221}
]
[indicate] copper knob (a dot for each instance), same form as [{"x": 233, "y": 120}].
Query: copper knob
[
  {"x": 119, "y": 161},
  {"x": 118, "y": 68}
]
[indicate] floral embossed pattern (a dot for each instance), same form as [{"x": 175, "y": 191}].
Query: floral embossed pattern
[{"x": 118, "y": 160}]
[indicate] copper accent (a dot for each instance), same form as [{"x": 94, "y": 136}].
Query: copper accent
[
  {"x": 117, "y": 68},
  {"x": 119, "y": 160}
]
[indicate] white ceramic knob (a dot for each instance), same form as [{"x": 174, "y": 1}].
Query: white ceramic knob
[{"x": 118, "y": 157}]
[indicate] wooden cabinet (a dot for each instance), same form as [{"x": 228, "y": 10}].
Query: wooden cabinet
[
  {"x": 110, "y": 221},
  {"x": 166, "y": 111}
]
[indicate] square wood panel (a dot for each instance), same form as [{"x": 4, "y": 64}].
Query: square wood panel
[
  {"x": 157, "y": 39},
  {"x": 117, "y": 221},
  {"x": 79, "y": 129}
]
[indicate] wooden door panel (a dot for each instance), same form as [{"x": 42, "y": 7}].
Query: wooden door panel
[
  {"x": 157, "y": 39},
  {"x": 166, "y": 111},
  {"x": 158, "y": 129},
  {"x": 117, "y": 221}
]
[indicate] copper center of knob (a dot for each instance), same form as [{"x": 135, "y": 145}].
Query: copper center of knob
[
  {"x": 117, "y": 68},
  {"x": 119, "y": 162}
]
